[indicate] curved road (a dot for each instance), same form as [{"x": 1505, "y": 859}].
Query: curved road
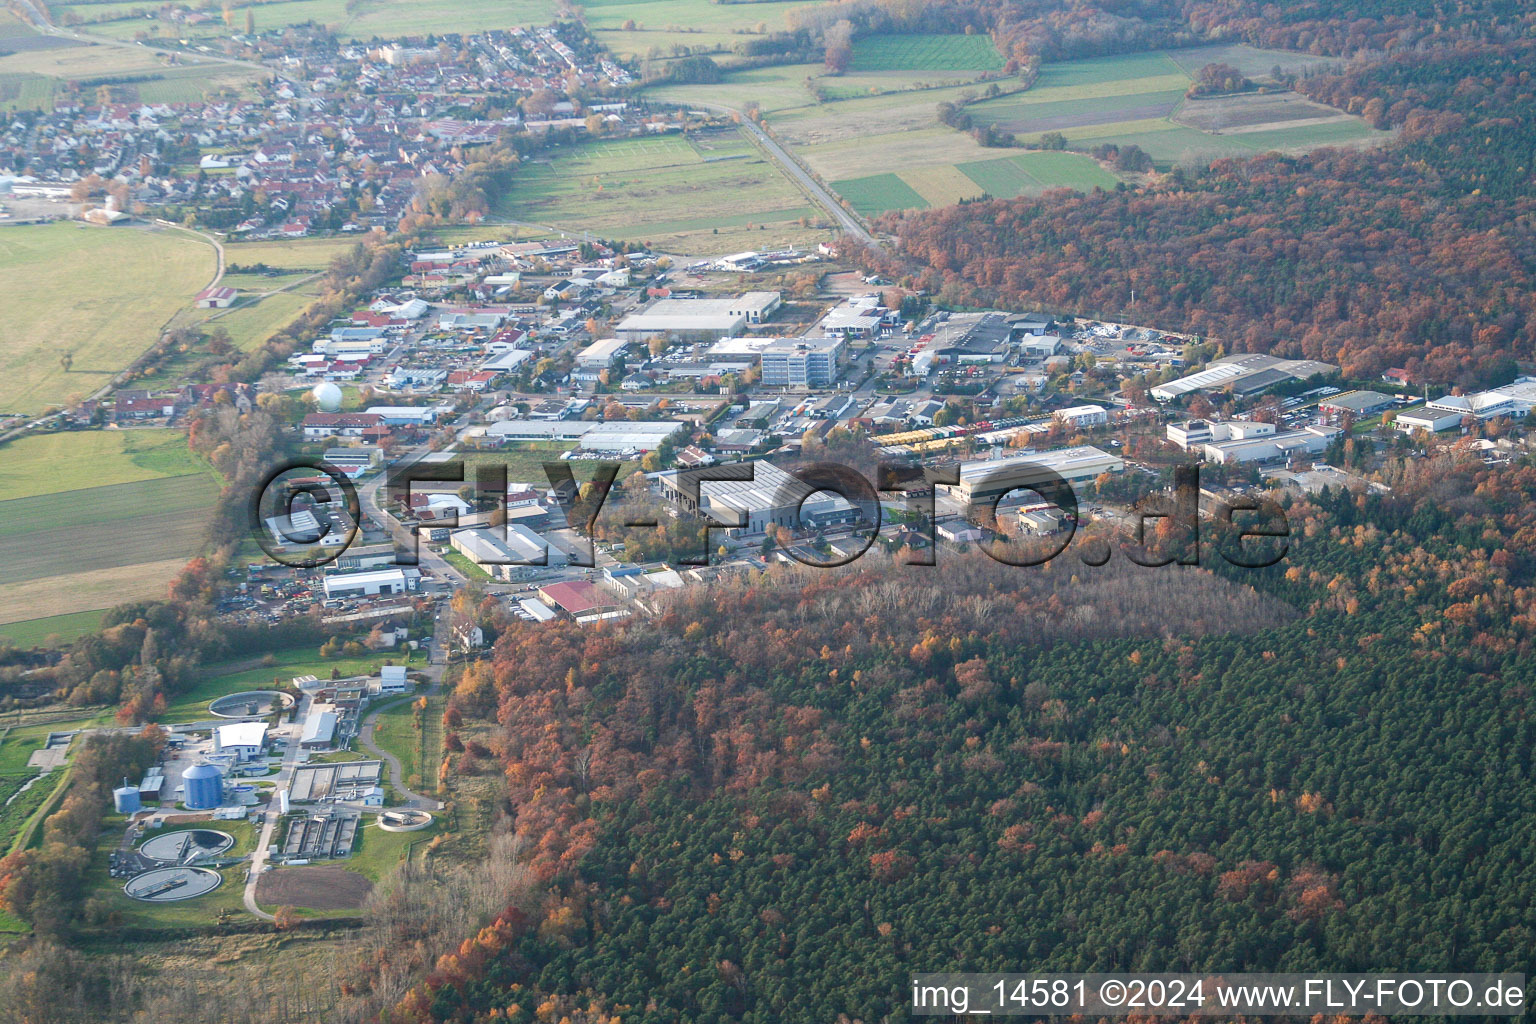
[{"x": 409, "y": 798}]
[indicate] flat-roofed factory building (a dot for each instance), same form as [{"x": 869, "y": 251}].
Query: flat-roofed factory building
[{"x": 989, "y": 480}]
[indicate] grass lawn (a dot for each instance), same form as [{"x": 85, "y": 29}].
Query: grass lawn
[
  {"x": 308, "y": 254},
  {"x": 66, "y": 627},
  {"x": 376, "y": 852},
  {"x": 48, "y": 463},
  {"x": 395, "y": 731},
  {"x": 193, "y": 705},
  {"x": 926, "y": 53},
  {"x": 251, "y": 324},
  {"x": 101, "y": 294},
  {"x": 471, "y": 569}
]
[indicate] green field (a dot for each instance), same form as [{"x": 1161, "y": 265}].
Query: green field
[
  {"x": 395, "y": 731},
  {"x": 231, "y": 677},
  {"x": 383, "y": 18},
  {"x": 1138, "y": 99},
  {"x": 879, "y": 193},
  {"x": 1000, "y": 177},
  {"x": 67, "y": 548},
  {"x": 662, "y": 190},
  {"x": 37, "y": 632},
  {"x": 1039, "y": 171},
  {"x": 662, "y": 27},
  {"x": 925, "y": 53},
  {"x": 48, "y": 463},
  {"x": 102, "y": 294}
]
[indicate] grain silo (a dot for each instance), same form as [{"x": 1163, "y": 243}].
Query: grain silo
[
  {"x": 204, "y": 787},
  {"x": 125, "y": 799}
]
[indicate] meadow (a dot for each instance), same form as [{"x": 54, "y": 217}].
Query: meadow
[
  {"x": 1138, "y": 99},
  {"x": 42, "y": 464},
  {"x": 956, "y": 52},
  {"x": 376, "y": 18},
  {"x": 93, "y": 519},
  {"x": 101, "y": 294},
  {"x": 665, "y": 192},
  {"x": 235, "y": 676}
]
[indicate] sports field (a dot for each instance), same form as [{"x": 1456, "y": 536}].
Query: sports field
[
  {"x": 665, "y": 191},
  {"x": 925, "y": 53},
  {"x": 1138, "y": 99},
  {"x": 101, "y": 294}
]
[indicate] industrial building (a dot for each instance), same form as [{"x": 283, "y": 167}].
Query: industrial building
[
  {"x": 699, "y": 319},
  {"x": 1272, "y": 446},
  {"x": 1514, "y": 400},
  {"x": 392, "y": 679},
  {"x": 600, "y": 355},
  {"x": 1242, "y": 375},
  {"x": 1355, "y": 403},
  {"x": 508, "y": 553},
  {"x": 319, "y": 729},
  {"x": 372, "y": 583},
  {"x": 861, "y": 316},
  {"x": 1080, "y": 417},
  {"x": 618, "y": 436},
  {"x": 1427, "y": 419},
  {"x": 1192, "y": 435},
  {"x": 202, "y": 787},
  {"x": 771, "y": 496},
  {"x": 990, "y": 480},
  {"x": 245, "y": 741},
  {"x": 802, "y": 362},
  {"x": 405, "y": 415}
]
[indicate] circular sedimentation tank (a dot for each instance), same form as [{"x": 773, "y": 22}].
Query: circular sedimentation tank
[
  {"x": 188, "y": 844},
  {"x": 168, "y": 885},
  {"x": 404, "y": 821},
  {"x": 249, "y": 704}
]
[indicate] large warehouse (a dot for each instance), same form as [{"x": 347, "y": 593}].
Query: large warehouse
[
  {"x": 371, "y": 584},
  {"x": 986, "y": 481},
  {"x": 592, "y": 436},
  {"x": 509, "y": 552},
  {"x": 698, "y": 319},
  {"x": 771, "y": 496},
  {"x": 1242, "y": 375}
]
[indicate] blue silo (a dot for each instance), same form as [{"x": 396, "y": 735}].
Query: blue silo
[
  {"x": 204, "y": 787},
  {"x": 125, "y": 799}
]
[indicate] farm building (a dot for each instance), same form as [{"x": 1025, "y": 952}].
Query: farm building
[{"x": 217, "y": 298}]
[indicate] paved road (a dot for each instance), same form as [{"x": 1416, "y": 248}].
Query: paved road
[{"x": 797, "y": 172}]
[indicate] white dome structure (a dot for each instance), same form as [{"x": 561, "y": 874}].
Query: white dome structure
[{"x": 327, "y": 396}]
